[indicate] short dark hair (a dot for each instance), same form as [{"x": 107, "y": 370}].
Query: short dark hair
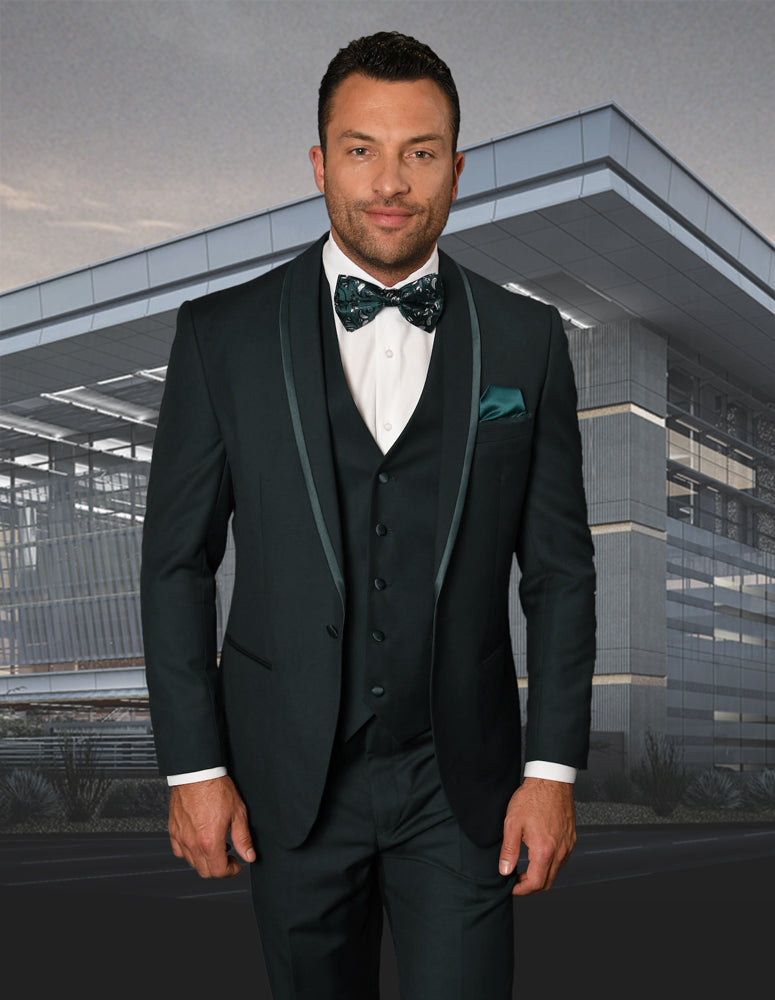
[{"x": 386, "y": 55}]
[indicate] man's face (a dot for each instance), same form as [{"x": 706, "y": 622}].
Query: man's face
[{"x": 390, "y": 172}]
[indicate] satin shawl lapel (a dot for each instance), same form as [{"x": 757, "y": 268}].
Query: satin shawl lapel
[
  {"x": 300, "y": 332},
  {"x": 458, "y": 337}
]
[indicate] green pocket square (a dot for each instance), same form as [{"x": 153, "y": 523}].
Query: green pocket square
[{"x": 501, "y": 401}]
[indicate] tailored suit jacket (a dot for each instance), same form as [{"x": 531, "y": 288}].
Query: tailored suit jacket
[{"x": 243, "y": 432}]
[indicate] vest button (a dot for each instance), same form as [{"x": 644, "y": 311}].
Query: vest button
[
  {"x": 383, "y": 477},
  {"x": 379, "y": 583},
  {"x": 381, "y": 529},
  {"x": 332, "y": 630},
  {"x": 377, "y": 690},
  {"x": 377, "y": 635}
]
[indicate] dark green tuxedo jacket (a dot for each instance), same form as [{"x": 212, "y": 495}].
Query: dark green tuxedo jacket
[{"x": 243, "y": 431}]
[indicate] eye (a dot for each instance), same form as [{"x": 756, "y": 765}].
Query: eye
[
  {"x": 421, "y": 154},
  {"x": 359, "y": 151}
]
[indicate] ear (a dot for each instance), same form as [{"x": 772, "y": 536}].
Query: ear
[
  {"x": 457, "y": 168},
  {"x": 318, "y": 166}
]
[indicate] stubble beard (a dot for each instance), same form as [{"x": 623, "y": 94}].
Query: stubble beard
[{"x": 394, "y": 255}]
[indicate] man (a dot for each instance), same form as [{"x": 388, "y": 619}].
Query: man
[{"x": 383, "y": 455}]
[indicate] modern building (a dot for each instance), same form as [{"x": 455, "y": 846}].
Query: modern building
[{"x": 668, "y": 299}]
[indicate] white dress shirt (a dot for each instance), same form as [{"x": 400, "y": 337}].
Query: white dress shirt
[{"x": 385, "y": 363}]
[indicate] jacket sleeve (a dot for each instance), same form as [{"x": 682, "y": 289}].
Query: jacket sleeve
[
  {"x": 556, "y": 558},
  {"x": 184, "y": 536}
]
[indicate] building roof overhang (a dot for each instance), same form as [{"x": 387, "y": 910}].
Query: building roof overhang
[{"x": 587, "y": 212}]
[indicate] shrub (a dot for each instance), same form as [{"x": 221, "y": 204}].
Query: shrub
[
  {"x": 132, "y": 797},
  {"x": 11, "y": 725},
  {"x": 661, "y": 775},
  {"x": 616, "y": 786},
  {"x": 714, "y": 789},
  {"x": 759, "y": 790},
  {"x": 80, "y": 782},
  {"x": 26, "y": 795}
]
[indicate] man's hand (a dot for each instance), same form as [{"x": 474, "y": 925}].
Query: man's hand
[
  {"x": 201, "y": 814},
  {"x": 540, "y": 813}
]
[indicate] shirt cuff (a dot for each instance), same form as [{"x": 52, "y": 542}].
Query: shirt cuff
[
  {"x": 554, "y": 772},
  {"x": 189, "y": 776}
]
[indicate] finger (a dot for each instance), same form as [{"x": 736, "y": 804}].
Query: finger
[
  {"x": 189, "y": 857},
  {"x": 561, "y": 858},
  {"x": 233, "y": 867},
  {"x": 202, "y": 863},
  {"x": 534, "y": 878},
  {"x": 241, "y": 839},
  {"x": 216, "y": 860},
  {"x": 566, "y": 856},
  {"x": 551, "y": 874},
  {"x": 180, "y": 850},
  {"x": 509, "y": 852}
]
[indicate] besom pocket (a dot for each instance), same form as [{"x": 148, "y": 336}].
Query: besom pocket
[{"x": 247, "y": 652}]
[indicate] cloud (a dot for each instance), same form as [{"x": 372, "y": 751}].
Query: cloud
[
  {"x": 94, "y": 203},
  {"x": 21, "y": 201},
  {"x": 158, "y": 224},
  {"x": 102, "y": 227},
  {"x": 124, "y": 228}
]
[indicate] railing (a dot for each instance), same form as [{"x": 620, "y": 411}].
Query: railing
[{"x": 118, "y": 755}]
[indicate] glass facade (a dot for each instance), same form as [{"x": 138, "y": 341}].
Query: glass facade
[
  {"x": 70, "y": 564},
  {"x": 72, "y": 497},
  {"x": 720, "y": 456},
  {"x": 720, "y": 571}
]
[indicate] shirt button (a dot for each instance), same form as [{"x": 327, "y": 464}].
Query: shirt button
[
  {"x": 388, "y": 426},
  {"x": 388, "y": 353},
  {"x": 332, "y": 630},
  {"x": 377, "y": 690},
  {"x": 383, "y": 477},
  {"x": 381, "y": 529},
  {"x": 377, "y": 635},
  {"x": 379, "y": 583}
]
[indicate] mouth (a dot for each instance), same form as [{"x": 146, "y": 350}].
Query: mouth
[{"x": 388, "y": 218}]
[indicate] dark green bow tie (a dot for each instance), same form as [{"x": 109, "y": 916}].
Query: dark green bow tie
[{"x": 420, "y": 302}]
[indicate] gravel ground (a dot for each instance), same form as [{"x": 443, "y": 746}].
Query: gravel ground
[
  {"x": 621, "y": 813},
  {"x": 587, "y": 814}
]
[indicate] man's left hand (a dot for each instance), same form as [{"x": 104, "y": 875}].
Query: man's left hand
[{"x": 540, "y": 813}]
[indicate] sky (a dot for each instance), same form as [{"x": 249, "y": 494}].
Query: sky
[{"x": 125, "y": 123}]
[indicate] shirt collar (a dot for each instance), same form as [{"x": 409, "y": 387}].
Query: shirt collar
[{"x": 336, "y": 262}]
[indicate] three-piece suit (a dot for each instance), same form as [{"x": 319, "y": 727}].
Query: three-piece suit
[{"x": 370, "y": 589}]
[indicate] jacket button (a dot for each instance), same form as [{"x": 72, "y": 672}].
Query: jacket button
[
  {"x": 379, "y": 583},
  {"x": 377, "y": 635},
  {"x": 381, "y": 529},
  {"x": 377, "y": 690},
  {"x": 384, "y": 477},
  {"x": 332, "y": 630}
]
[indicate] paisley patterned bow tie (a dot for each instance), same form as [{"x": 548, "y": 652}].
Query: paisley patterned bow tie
[{"x": 420, "y": 302}]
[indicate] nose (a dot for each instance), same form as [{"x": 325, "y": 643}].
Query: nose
[{"x": 391, "y": 178}]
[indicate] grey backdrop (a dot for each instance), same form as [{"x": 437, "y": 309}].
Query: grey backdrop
[{"x": 127, "y": 122}]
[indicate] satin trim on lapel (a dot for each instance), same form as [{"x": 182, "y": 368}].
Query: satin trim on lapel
[
  {"x": 303, "y": 364},
  {"x": 454, "y": 468}
]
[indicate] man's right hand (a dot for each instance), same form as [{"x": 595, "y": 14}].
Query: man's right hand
[{"x": 201, "y": 815}]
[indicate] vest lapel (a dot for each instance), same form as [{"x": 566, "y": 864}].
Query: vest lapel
[
  {"x": 459, "y": 330},
  {"x": 305, "y": 386}
]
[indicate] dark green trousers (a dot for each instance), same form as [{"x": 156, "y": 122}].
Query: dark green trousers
[{"x": 385, "y": 837}]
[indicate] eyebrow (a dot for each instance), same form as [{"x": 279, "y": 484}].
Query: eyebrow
[{"x": 429, "y": 137}]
